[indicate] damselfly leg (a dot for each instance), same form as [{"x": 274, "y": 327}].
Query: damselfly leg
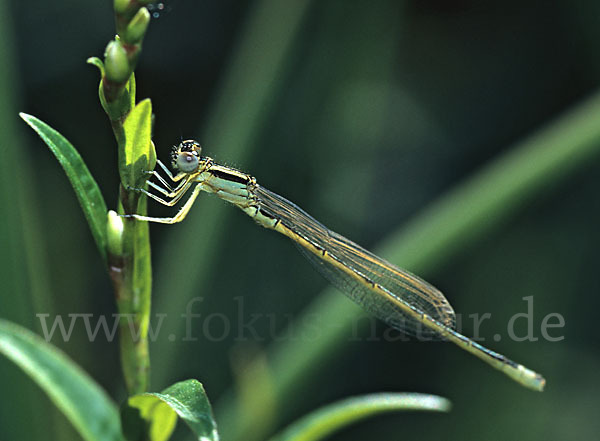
[
  {"x": 171, "y": 195},
  {"x": 181, "y": 214},
  {"x": 168, "y": 190}
]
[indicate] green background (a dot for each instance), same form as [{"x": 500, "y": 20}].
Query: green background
[{"x": 374, "y": 110}]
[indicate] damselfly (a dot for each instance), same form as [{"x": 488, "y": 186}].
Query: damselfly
[{"x": 399, "y": 298}]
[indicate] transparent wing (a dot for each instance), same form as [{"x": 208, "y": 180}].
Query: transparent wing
[{"x": 364, "y": 265}]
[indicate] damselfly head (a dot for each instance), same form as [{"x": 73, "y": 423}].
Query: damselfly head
[{"x": 185, "y": 157}]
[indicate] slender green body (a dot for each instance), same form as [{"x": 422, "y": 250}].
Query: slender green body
[{"x": 394, "y": 295}]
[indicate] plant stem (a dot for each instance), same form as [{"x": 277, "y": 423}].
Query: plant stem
[
  {"x": 129, "y": 262},
  {"x": 130, "y": 271}
]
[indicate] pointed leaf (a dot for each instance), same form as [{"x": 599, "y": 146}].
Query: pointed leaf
[
  {"x": 323, "y": 422},
  {"x": 87, "y": 190},
  {"x": 139, "y": 155},
  {"x": 152, "y": 416},
  {"x": 83, "y": 402}
]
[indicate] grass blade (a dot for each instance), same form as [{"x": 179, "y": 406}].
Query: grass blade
[
  {"x": 329, "y": 419},
  {"x": 24, "y": 280},
  {"x": 437, "y": 234},
  {"x": 459, "y": 218}
]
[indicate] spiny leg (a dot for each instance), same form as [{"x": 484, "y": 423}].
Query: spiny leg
[
  {"x": 177, "y": 193},
  {"x": 160, "y": 178},
  {"x": 162, "y": 181},
  {"x": 173, "y": 191},
  {"x": 168, "y": 192},
  {"x": 174, "y": 179},
  {"x": 181, "y": 214},
  {"x": 173, "y": 201},
  {"x": 165, "y": 169}
]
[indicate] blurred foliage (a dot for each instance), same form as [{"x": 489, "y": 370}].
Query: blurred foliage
[
  {"x": 87, "y": 406},
  {"x": 329, "y": 419},
  {"x": 362, "y": 113}
]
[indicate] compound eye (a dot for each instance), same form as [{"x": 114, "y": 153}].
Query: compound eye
[{"x": 187, "y": 162}]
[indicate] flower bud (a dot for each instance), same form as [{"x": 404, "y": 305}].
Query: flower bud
[
  {"x": 134, "y": 33},
  {"x": 116, "y": 63},
  {"x": 121, "y": 6},
  {"x": 114, "y": 234}
]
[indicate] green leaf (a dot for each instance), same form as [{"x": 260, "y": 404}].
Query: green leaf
[
  {"x": 87, "y": 191},
  {"x": 95, "y": 61},
  {"x": 152, "y": 416},
  {"x": 139, "y": 155},
  {"x": 323, "y": 422},
  {"x": 83, "y": 402}
]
